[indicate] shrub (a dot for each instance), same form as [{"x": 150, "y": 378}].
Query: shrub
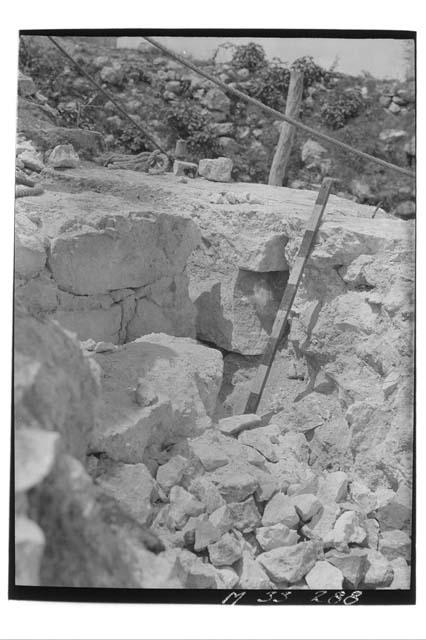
[
  {"x": 312, "y": 72},
  {"x": 249, "y": 56},
  {"x": 188, "y": 122},
  {"x": 273, "y": 86},
  {"x": 340, "y": 108}
]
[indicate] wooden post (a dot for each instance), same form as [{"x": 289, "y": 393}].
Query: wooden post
[{"x": 285, "y": 142}]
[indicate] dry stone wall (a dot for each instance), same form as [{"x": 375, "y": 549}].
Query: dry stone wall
[{"x": 104, "y": 275}]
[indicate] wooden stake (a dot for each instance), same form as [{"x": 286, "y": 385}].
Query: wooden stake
[
  {"x": 285, "y": 142},
  {"x": 280, "y": 321}
]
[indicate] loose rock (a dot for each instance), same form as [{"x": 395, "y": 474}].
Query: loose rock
[
  {"x": 324, "y": 575},
  {"x": 289, "y": 564},
  {"x": 280, "y": 510}
]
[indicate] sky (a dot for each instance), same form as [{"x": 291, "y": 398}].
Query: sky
[{"x": 383, "y": 58}]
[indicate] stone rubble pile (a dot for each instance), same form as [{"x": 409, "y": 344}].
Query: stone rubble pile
[{"x": 231, "y": 512}]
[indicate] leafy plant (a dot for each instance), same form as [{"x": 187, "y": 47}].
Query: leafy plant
[
  {"x": 312, "y": 72},
  {"x": 249, "y": 56},
  {"x": 273, "y": 83},
  {"x": 188, "y": 122},
  {"x": 340, "y": 108}
]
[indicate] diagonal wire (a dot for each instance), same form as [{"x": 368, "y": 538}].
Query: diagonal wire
[
  {"x": 108, "y": 95},
  {"x": 278, "y": 114}
]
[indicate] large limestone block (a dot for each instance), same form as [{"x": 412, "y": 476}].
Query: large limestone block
[
  {"x": 236, "y": 284},
  {"x": 185, "y": 375},
  {"x": 55, "y": 388},
  {"x": 98, "y": 324},
  {"x": 165, "y": 307},
  {"x": 119, "y": 252},
  {"x": 30, "y": 254}
]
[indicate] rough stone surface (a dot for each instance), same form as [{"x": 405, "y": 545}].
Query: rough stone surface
[
  {"x": 131, "y": 485},
  {"x": 380, "y": 571},
  {"x": 225, "y": 551},
  {"x": 324, "y": 575},
  {"x": 353, "y": 565},
  {"x": 177, "y": 368},
  {"x": 245, "y": 515},
  {"x": 63, "y": 157},
  {"x": 307, "y": 506},
  {"x": 289, "y": 564},
  {"x": 280, "y": 510},
  {"x": 394, "y": 544},
  {"x": 218, "y": 170},
  {"x": 252, "y": 574},
  {"x": 348, "y": 530},
  {"x": 55, "y": 389},
  {"x": 171, "y": 473},
  {"x": 277, "y": 535},
  {"x": 233, "y": 425}
]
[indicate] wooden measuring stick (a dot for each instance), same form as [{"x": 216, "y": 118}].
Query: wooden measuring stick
[{"x": 284, "y": 309}]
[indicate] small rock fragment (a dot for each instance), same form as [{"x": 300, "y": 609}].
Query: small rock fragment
[
  {"x": 289, "y": 564},
  {"x": 324, "y": 575},
  {"x": 395, "y": 544},
  {"x": 379, "y": 573},
  {"x": 228, "y": 576},
  {"x": 217, "y": 170},
  {"x": 372, "y": 528},
  {"x": 252, "y": 574},
  {"x": 401, "y": 574},
  {"x": 333, "y": 487},
  {"x": 323, "y": 522},
  {"x": 63, "y": 156},
  {"x": 182, "y": 505},
  {"x": 245, "y": 515},
  {"x": 222, "y": 518},
  {"x": 210, "y": 454},
  {"x": 131, "y": 485},
  {"x": 205, "y": 533},
  {"x": 105, "y": 347},
  {"x": 233, "y": 425},
  {"x": 32, "y": 161},
  {"x": 260, "y": 439},
  {"x": 363, "y": 497},
  {"x": 277, "y": 535},
  {"x": 207, "y": 493},
  {"x": 225, "y": 551},
  {"x": 181, "y": 168},
  {"x": 348, "y": 530},
  {"x": 236, "y": 486},
  {"x": 353, "y": 565},
  {"x": 171, "y": 473},
  {"x": 396, "y": 514},
  {"x": 306, "y": 505},
  {"x": 280, "y": 509}
]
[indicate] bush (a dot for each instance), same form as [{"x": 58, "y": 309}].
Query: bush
[
  {"x": 188, "y": 122},
  {"x": 340, "y": 108},
  {"x": 273, "y": 86},
  {"x": 312, "y": 72},
  {"x": 249, "y": 56}
]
